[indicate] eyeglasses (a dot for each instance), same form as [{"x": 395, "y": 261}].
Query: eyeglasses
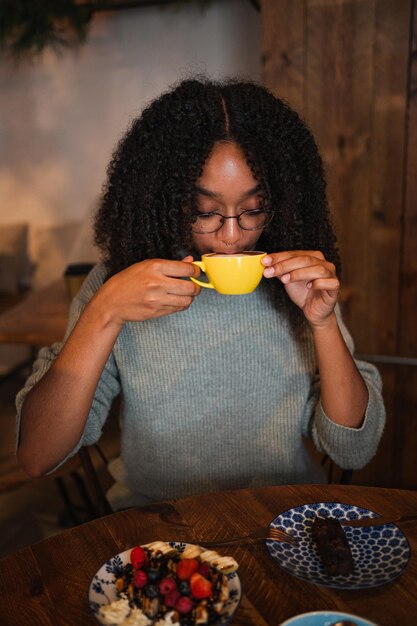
[{"x": 205, "y": 223}]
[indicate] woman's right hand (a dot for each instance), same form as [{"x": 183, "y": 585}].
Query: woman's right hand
[
  {"x": 55, "y": 411},
  {"x": 147, "y": 290}
]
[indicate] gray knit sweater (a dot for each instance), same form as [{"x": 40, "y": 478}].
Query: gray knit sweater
[{"x": 219, "y": 397}]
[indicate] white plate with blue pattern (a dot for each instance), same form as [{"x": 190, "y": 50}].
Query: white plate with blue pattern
[
  {"x": 380, "y": 553},
  {"x": 102, "y": 588}
]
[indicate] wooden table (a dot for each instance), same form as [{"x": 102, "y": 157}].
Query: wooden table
[
  {"x": 46, "y": 584},
  {"x": 38, "y": 320}
]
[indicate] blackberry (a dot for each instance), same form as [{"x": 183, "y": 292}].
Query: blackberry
[
  {"x": 152, "y": 591},
  {"x": 153, "y": 574},
  {"x": 184, "y": 588}
]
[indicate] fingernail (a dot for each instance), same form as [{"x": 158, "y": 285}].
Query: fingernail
[
  {"x": 269, "y": 271},
  {"x": 285, "y": 278},
  {"x": 267, "y": 260}
]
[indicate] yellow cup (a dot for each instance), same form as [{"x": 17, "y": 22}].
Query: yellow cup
[{"x": 231, "y": 274}]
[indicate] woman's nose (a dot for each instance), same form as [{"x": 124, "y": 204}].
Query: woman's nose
[{"x": 230, "y": 231}]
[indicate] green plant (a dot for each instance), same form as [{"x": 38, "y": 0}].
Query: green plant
[{"x": 27, "y": 27}]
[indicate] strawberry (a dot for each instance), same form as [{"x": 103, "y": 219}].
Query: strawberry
[
  {"x": 186, "y": 567},
  {"x": 138, "y": 557},
  {"x": 200, "y": 586}
]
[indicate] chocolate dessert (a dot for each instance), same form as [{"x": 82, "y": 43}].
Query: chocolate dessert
[{"x": 332, "y": 546}]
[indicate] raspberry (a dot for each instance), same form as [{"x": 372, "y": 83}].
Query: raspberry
[
  {"x": 138, "y": 557},
  {"x": 204, "y": 570},
  {"x": 186, "y": 567},
  {"x": 184, "y": 604},
  {"x": 140, "y": 579},
  {"x": 200, "y": 586},
  {"x": 166, "y": 585},
  {"x": 171, "y": 598}
]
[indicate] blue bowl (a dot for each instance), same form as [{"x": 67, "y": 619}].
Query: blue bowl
[{"x": 325, "y": 618}]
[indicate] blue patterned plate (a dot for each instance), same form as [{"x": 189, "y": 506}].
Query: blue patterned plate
[
  {"x": 380, "y": 553},
  {"x": 102, "y": 588}
]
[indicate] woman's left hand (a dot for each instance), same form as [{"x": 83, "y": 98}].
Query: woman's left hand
[{"x": 309, "y": 280}]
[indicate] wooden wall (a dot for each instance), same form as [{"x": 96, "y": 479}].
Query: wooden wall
[{"x": 350, "y": 69}]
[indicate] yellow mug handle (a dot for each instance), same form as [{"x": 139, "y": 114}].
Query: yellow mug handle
[{"x": 200, "y": 264}]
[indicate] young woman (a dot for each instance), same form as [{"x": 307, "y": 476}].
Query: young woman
[{"x": 218, "y": 391}]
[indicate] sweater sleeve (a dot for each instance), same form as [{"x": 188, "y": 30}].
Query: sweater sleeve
[
  {"x": 350, "y": 448},
  {"x": 108, "y": 386}
]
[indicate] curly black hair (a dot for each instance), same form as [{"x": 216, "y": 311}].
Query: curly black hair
[{"x": 152, "y": 175}]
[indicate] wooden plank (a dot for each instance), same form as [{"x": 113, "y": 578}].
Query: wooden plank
[
  {"x": 355, "y": 64},
  {"x": 340, "y": 79},
  {"x": 392, "y": 22},
  {"x": 408, "y": 297},
  {"x": 69, "y": 566},
  {"x": 405, "y": 432},
  {"x": 151, "y": 523},
  {"x": 356, "y": 73},
  {"x": 22, "y": 586},
  {"x": 282, "y": 24},
  {"x": 407, "y": 331},
  {"x": 248, "y": 614}
]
